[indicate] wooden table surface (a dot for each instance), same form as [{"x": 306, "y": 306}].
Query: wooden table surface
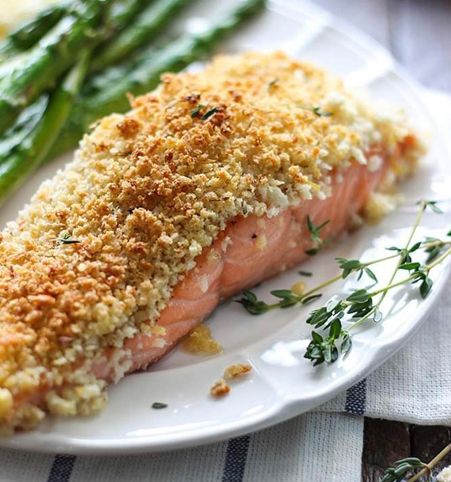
[{"x": 418, "y": 33}]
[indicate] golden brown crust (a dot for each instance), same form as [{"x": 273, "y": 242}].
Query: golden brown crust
[
  {"x": 236, "y": 371},
  {"x": 220, "y": 388},
  {"x": 101, "y": 246}
]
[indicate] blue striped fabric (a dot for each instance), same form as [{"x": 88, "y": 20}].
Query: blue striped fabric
[
  {"x": 61, "y": 469},
  {"x": 356, "y": 399},
  {"x": 237, "y": 448},
  {"x": 236, "y": 457}
]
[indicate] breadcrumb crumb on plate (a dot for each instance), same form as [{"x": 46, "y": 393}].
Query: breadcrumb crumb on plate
[
  {"x": 236, "y": 371},
  {"x": 220, "y": 388}
]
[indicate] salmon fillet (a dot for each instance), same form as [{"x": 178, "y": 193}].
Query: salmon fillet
[{"x": 201, "y": 190}]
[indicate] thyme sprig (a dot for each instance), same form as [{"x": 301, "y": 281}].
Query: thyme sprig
[
  {"x": 432, "y": 205},
  {"x": 315, "y": 236},
  {"x": 403, "y": 467},
  {"x": 362, "y": 304}
]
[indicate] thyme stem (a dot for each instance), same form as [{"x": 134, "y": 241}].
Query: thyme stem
[
  {"x": 385, "y": 289},
  {"x": 359, "y": 305},
  {"x": 322, "y": 285},
  {"x": 438, "y": 260},
  {"x": 402, "y": 256},
  {"x": 339, "y": 276},
  {"x": 431, "y": 464},
  {"x": 405, "y": 250},
  {"x": 334, "y": 280}
]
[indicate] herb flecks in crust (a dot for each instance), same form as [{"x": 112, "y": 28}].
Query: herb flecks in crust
[{"x": 146, "y": 193}]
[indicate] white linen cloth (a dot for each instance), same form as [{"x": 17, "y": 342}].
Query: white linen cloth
[{"x": 325, "y": 445}]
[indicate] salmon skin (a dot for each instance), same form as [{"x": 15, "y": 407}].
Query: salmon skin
[{"x": 201, "y": 190}]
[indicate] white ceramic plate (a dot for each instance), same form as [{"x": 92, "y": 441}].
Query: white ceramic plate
[{"x": 283, "y": 384}]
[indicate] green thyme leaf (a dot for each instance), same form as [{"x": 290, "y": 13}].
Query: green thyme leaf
[
  {"x": 370, "y": 274},
  {"x": 310, "y": 298},
  {"x": 335, "y": 329},
  {"x": 318, "y": 317},
  {"x": 320, "y": 113},
  {"x": 415, "y": 247},
  {"x": 433, "y": 253},
  {"x": 210, "y": 113},
  {"x": 331, "y": 305},
  {"x": 159, "y": 405},
  {"x": 348, "y": 266},
  {"x": 409, "y": 266},
  {"x": 272, "y": 83},
  {"x": 432, "y": 205},
  {"x": 315, "y": 230},
  {"x": 349, "y": 263},
  {"x": 195, "y": 112},
  {"x": 401, "y": 468},
  {"x": 315, "y": 235},
  {"x": 426, "y": 287},
  {"x": 250, "y": 296},
  {"x": 284, "y": 294},
  {"x": 359, "y": 296},
  {"x": 251, "y": 303},
  {"x": 305, "y": 273},
  {"x": 346, "y": 344},
  {"x": 66, "y": 239},
  {"x": 317, "y": 338}
]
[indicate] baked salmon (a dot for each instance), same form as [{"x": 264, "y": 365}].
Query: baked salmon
[{"x": 201, "y": 190}]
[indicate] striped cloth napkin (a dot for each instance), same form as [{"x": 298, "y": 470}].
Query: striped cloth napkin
[{"x": 325, "y": 445}]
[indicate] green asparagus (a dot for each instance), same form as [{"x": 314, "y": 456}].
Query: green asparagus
[
  {"x": 28, "y": 34},
  {"x": 55, "y": 53},
  {"x": 17, "y": 163},
  {"x": 107, "y": 92},
  {"x": 123, "y": 12},
  {"x": 146, "y": 26}
]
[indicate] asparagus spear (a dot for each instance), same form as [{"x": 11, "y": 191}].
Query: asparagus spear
[
  {"x": 18, "y": 162},
  {"x": 123, "y": 12},
  {"x": 28, "y": 34},
  {"x": 107, "y": 92},
  {"x": 54, "y": 54},
  {"x": 151, "y": 21}
]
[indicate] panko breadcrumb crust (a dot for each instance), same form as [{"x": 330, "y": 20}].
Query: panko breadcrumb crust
[{"x": 146, "y": 192}]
